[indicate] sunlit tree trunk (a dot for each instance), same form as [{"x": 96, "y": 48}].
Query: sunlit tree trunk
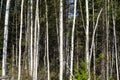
[
  {"x": 36, "y": 29},
  {"x": 20, "y": 40},
  {"x": 92, "y": 49},
  {"x": 31, "y": 38},
  {"x": 87, "y": 42},
  {"x": 93, "y": 35},
  {"x": 35, "y": 48},
  {"x": 115, "y": 41},
  {"x": 61, "y": 40},
  {"x": 72, "y": 41},
  {"x": 47, "y": 41},
  {"x": 4, "y": 58},
  {"x": 38, "y": 38}
]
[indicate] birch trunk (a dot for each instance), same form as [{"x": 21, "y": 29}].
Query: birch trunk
[
  {"x": 87, "y": 42},
  {"x": 61, "y": 40},
  {"x": 72, "y": 41},
  {"x": 20, "y": 40},
  {"x": 35, "y": 49},
  {"x": 47, "y": 41},
  {"x": 4, "y": 58},
  {"x": 36, "y": 41},
  {"x": 115, "y": 42},
  {"x": 93, "y": 35},
  {"x": 31, "y": 40},
  {"x": 38, "y": 38}
]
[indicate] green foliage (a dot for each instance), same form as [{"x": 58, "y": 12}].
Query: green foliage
[
  {"x": 80, "y": 75},
  {"x": 111, "y": 78},
  {"x": 100, "y": 57}
]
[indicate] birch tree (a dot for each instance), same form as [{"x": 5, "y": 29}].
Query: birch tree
[
  {"x": 36, "y": 42},
  {"x": 72, "y": 41},
  {"x": 20, "y": 40},
  {"x": 35, "y": 47},
  {"x": 4, "y": 58},
  {"x": 115, "y": 41},
  {"x": 47, "y": 40},
  {"x": 38, "y": 38},
  {"x": 61, "y": 40},
  {"x": 31, "y": 37},
  {"x": 87, "y": 41}
]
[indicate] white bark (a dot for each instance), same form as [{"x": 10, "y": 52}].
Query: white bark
[
  {"x": 93, "y": 35},
  {"x": 35, "y": 49},
  {"x": 31, "y": 40},
  {"x": 47, "y": 41},
  {"x": 38, "y": 38},
  {"x": 36, "y": 41},
  {"x": 61, "y": 40},
  {"x": 115, "y": 42},
  {"x": 87, "y": 42},
  {"x": 5, "y": 38},
  {"x": 72, "y": 41},
  {"x": 20, "y": 40}
]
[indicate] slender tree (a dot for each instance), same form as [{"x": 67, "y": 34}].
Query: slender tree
[
  {"x": 20, "y": 40},
  {"x": 72, "y": 40},
  {"x": 47, "y": 40},
  {"x": 4, "y": 58},
  {"x": 61, "y": 39},
  {"x": 115, "y": 41},
  {"x": 87, "y": 41},
  {"x": 35, "y": 46},
  {"x": 31, "y": 39},
  {"x": 36, "y": 40}
]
